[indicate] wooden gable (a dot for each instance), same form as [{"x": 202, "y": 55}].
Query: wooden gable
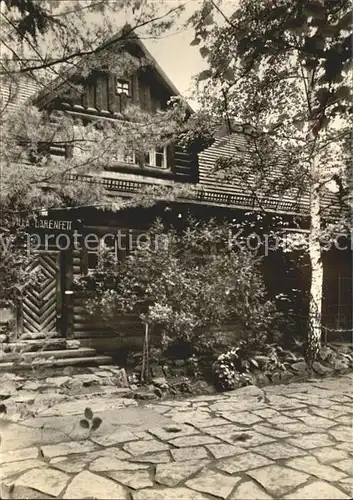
[{"x": 107, "y": 93}]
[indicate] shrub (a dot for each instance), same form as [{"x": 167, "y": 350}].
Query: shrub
[
  {"x": 15, "y": 273},
  {"x": 235, "y": 368},
  {"x": 191, "y": 280}
]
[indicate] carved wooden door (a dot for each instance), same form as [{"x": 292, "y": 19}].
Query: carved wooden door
[{"x": 41, "y": 305}]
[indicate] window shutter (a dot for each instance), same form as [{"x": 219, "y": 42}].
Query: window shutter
[
  {"x": 99, "y": 91},
  {"x": 170, "y": 156},
  {"x": 153, "y": 103},
  {"x": 142, "y": 96},
  {"x": 124, "y": 100},
  {"x": 105, "y": 91},
  {"x": 91, "y": 92},
  {"x": 112, "y": 97},
  {"x": 148, "y": 98},
  {"x": 145, "y": 97},
  {"x": 140, "y": 158},
  {"x": 135, "y": 89}
]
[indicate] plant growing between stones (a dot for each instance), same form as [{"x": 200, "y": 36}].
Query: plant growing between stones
[
  {"x": 239, "y": 365},
  {"x": 90, "y": 422},
  {"x": 246, "y": 365}
]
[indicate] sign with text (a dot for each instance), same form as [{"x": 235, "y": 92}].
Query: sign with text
[{"x": 47, "y": 224}]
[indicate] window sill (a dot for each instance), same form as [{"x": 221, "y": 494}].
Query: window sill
[{"x": 147, "y": 170}]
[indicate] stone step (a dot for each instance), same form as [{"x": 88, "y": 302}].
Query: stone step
[
  {"x": 57, "y": 354},
  {"x": 52, "y": 363},
  {"x": 35, "y": 345},
  {"x": 39, "y": 336}
]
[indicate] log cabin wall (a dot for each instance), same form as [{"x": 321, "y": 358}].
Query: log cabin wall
[{"x": 100, "y": 96}]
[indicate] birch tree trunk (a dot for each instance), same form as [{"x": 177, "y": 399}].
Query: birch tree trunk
[
  {"x": 316, "y": 283},
  {"x": 316, "y": 265}
]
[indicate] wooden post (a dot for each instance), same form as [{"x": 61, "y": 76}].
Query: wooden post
[
  {"x": 135, "y": 89},
  {"x": 68, "y": 295},
  {"x": 112, "y": 97},
  {"x": 145, "y": 375},
  {"x": 19, "y": 321}
]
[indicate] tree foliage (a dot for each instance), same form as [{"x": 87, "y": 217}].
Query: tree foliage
[
  {"x": 50, "y": 47},
  {"x": 45, "y": 34},
  {"x": 281, "y": 71}
]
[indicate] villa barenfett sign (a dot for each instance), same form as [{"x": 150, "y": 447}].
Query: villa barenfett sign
[
  {"x": 49, "y": 232},
  {"x": 42, "y": 223},
  {"x": 59, "y": 225}
]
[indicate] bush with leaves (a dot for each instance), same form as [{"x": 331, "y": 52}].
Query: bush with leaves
[
  {"x": 236, "y": 367},
  {"x": 182, "y": 283},
  {"x": 16, "y": 269},
  {"x": 282, "y": 70}
]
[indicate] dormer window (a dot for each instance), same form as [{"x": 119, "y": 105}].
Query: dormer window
[{"x": 123, "y": 87}]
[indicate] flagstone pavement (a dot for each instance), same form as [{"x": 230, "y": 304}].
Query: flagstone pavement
[{"x": 282, "y": 442}]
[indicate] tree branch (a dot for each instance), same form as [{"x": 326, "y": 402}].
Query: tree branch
[{"x": 97, "y": 50}]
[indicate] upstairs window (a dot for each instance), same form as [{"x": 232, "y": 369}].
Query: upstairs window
[
  {"x": 157, "y": 157},
  {"x": 123, "y": 87}
]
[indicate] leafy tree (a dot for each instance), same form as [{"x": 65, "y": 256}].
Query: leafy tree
[
  {"x": 15, "y": 272},
  {"x": 43, "y": 41},
  {"x": 281, "y": 71},
  {"x": 46, "y": 41},
  {"x": 183, "y": 282},
  {"x": 41, "y": 35}
]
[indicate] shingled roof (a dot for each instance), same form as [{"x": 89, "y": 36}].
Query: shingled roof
[
  {"x": 249, "y": 192},
  {"x": 15, "y": 93}
]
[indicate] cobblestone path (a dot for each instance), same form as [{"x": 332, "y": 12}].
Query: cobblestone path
[{"x": 283, "y": 442}]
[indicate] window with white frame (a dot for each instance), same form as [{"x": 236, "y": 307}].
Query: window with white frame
[
  {"x": 123, "y": 87},
  {"x": 157, "y": 157}
]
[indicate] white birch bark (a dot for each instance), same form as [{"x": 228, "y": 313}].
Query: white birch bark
[
  {"x": 316, "y": 265},
  {"x": 316, "y": 283}
]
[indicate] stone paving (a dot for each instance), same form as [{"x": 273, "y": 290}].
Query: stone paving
[{"x": 281, "y": 442}]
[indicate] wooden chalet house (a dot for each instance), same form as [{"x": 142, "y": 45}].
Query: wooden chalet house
[{"x": 56, "y": 308}]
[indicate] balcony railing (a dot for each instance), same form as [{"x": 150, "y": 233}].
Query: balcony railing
[{"x": 198, "y": 194}]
